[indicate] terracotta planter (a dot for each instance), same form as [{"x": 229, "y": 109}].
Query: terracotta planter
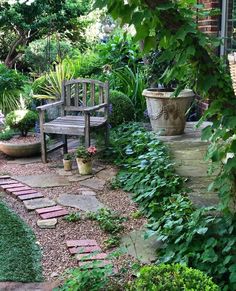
[
  {"x": 167, "y": 113},
  {"x": 85, "y": 167},
  {"x": 67, "y": 165},
  {"x": 20, "y": 150}
]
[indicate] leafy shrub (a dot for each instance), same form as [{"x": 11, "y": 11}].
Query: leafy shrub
[
  {"x": 6, "y": 134},
  {"x": 172, "y": 278},
  {"x": 109, "y": 221},
  {"x": 11, "y": 85},
  {"x": 96, "y": 279},
  {"x": 122, "y": 109},
  {"x": 22, "y": 120},
  {"x": 73, "y": 217}
]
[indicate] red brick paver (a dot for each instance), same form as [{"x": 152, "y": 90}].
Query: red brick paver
[
  {"x": 23, "y": 192},
  {"x": 7, "y": 182},
  {"x": 30, "y": 196},
  {"x": 48, "y": 209},
  {"x": 97, "y": 264},
  {"x": 81, "y": 243},
  {"x": 54, "y": 214},
  {"x": 91, "y": 257},
  {"x": 23, "y": 188},
  {"x": 83, "y": 250},
  {"x": 13, "y": 185}
]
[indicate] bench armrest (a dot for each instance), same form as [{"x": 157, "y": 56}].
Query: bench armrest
[
  {"x": 46, "y": 106},
  {"x": 94, "y": 108}
]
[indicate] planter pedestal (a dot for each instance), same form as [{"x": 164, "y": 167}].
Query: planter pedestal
[{"x": 167, "y": 113}]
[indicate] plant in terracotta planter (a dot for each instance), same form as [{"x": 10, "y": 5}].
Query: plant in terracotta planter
[
  {"x": 20, "y": 121},
  {"x": 67, "y": 161},
  {"x": 84, "y": 158}
]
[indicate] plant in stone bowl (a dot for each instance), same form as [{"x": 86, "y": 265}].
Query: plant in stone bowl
[
  {"x": 84, "y": 158},
  {"x": 21, "y": 144},
  {"x": 67, "y": 161}
]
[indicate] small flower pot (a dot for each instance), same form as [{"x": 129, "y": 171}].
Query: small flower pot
[
  {"x": 67, "y": 165},
  {"x": 84, "y": 166}
]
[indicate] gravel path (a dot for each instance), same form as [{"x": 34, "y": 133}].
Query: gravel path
[{"x": 56, "y": 258}]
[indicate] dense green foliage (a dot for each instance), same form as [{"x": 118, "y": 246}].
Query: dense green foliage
[
  {"x": 172, "y": 278},
  {"x": 22, "y": 120},
  {"x": 122, "y": 109},
  {"x": 11, "y": 85},
  {"x": 36, "y": 57},
  {"x": 36, "y": 19},
  {"x": 19, "y": 254},
  {"x": 197, "y": 237},
  {"x": 6, "y": 134},
  {"x": 170, "y": 28}
]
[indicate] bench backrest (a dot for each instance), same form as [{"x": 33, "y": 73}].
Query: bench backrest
[{"x": 80, "y": 93}]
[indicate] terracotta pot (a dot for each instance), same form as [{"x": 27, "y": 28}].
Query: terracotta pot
[
  {"x": 85, "y": 167},
  {"x": 167, "y": 113},
  {"x": 67, "y": 165}
]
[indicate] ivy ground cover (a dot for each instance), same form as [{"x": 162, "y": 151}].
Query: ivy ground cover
[{"x": 19, "y": 254}]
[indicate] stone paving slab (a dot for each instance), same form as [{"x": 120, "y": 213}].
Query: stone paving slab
[
  {"x": 49, "y": 209},
  {"x": 144, "y": 250},
  {"x": 79, "y": 178},
  {"x": 44, "y": 180},
  {"x": 81, "y": 243},
  {"x": 82, "y": 202},
  {"x": 96, "y": 263},
  {"x": 30, "y": 196},
  {"x": 91, "y": 257},
  {"x": 94, "y": 183},
  {"x": 54, "y": 214},
  {"x": 83, "y": 250},
  {"x": 47, "y": 223},
  {"x": 38, "y": 203},
  {"x": 17, "y": 286}
]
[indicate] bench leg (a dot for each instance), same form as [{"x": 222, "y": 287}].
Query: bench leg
[
  {"x": 87, "y": 130},
  {"x": 107, "y": 131},
  {"x": 43, "y": 148},
  {"x": 65, "y": 146}
]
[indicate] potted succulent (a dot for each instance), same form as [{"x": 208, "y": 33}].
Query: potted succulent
[
  {"x": 84, "y": 159},
  {"x": 67, "y": 161},
  {"x": 16, "y": 140}
]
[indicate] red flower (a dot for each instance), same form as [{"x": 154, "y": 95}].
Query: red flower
[{"x": 92, "y": 150}]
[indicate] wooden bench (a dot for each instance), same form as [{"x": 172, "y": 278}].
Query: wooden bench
[{"x": 83, "y": 107}]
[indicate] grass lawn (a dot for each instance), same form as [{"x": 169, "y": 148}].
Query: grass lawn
[{"x": 19, "y": 254}]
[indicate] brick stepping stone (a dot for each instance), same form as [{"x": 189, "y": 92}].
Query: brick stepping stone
[
  {"x": 23, "y": 192},
  {"x": 54, "y": 214},
  {"x": 81, "y": 250},
  {"x": 7, "y": 182},
  {"x": 12, "y": 185},
  {"x": 96, "y": 263},
  {"x": 91, "y": 257},
  {"x": 30, "y": 196},
  {"x": 88, "y": 253},
  {"x": 5, "y": 177},
  {"x": 81, "y": 243},
  {"x": 23, "y": 188},
  {"x": 49, "y": 209}
]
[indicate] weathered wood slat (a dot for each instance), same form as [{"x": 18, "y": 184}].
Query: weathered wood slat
[
  {"x": 88, "y": 81},
  {"x": 92, "y": 93},
  {"x": 84, "y": 97}
]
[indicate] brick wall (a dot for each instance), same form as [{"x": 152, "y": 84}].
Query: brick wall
[{"x": 211, "y": 24}]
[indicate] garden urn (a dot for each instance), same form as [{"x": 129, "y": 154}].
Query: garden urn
[
  {"x": 168, "y": 113},
  {"x": 67, "y": 165}
]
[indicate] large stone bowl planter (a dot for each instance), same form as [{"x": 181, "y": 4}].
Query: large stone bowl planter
[
  {"x": 167, "y": 113},
  {"x": 18, "y": 150}
]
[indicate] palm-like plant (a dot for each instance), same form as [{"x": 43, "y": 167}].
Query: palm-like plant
[{"x": 50, "y": 84}]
